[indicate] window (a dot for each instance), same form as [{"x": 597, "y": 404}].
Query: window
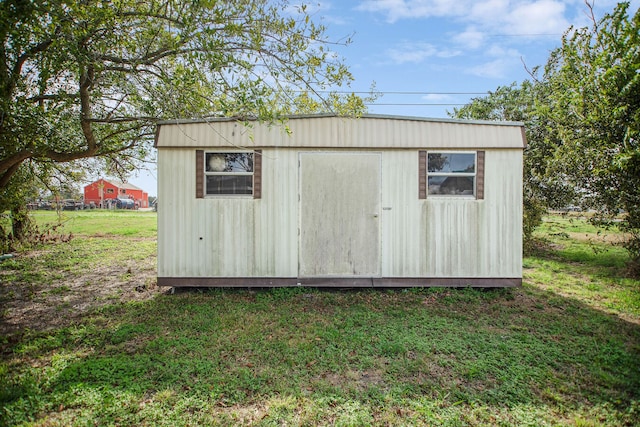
[
  {"x": 109, "y": 190},
  {"x": 451, "y": 174},
  {"x": 228, "y": 173}
]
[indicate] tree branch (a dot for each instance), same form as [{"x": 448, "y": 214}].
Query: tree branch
[
  {"x": 591, "y": 14},
  {"x": 152, "y": 15},
  {"x": 17, "y": 67},
  {"x": 53, "y": 97},
  {"x": 83, "y": 154},
  {"x": 529, "y": 71},
  {"x": 16, "y": 159},
  {"x": 6, "y": 176},
  {"x": 124, "y": 119},
  {"x": 149, "y": 59},
  {"x": 86, "y": 81}
]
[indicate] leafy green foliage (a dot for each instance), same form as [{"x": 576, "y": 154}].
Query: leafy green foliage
[
  {"x": 595, "y": 107},
  {"x": 90, "y": 79},
  {"x": 582, "y": 119}
]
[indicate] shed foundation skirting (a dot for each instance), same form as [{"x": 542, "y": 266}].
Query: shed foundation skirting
[{"x": 358, "y": 282}]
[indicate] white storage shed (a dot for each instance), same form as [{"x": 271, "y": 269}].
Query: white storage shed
[{"x": 378, "y": 201}]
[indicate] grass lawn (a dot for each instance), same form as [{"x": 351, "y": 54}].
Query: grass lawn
[
  {"x": 100, "y": 222},
  {"x": 562, "y": 350}
]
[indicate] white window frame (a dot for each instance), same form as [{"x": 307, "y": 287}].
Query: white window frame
[
  {"x": 454, "y": 174},
  {"x": 209, "y": 173}
]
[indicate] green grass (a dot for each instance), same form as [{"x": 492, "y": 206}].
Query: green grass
[
  {"x": 578, "y": 260},
  {"x": 100, "y": 238},
  {"x": 100, "y": 222},
  {"x": 562, "y": 350}
]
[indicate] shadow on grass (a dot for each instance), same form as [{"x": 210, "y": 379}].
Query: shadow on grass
[{"x": 423, "y": 355}]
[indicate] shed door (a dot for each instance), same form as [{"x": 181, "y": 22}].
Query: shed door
[{"x": 339, "y": 214}]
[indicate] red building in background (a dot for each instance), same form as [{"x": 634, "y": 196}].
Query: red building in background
[{"x": 103, "y": 191}]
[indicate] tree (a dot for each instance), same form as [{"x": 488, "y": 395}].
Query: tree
[
  {"x": 582, "y": 118},
  {"x": 518, "y": 103},
  {"x": 594, "y": 105},
  {"x": 89, "y": 79}
]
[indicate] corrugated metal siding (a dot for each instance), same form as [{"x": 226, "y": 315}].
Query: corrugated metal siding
[
  {"x": 337, "y": 132},
  {"x": 403, "y": 222},
  {"x": 503, "y": 195},
  {"x": 479, "y": 238},
  {"x": 452, "y": 237},
  {"x": 436, "y": 237},
  {"x": 243, "y": 237},
  {"x": 227, "y": 237}
]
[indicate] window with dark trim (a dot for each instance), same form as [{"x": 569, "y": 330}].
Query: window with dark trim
[
  {"x": 451, "y": 173},
  {"x": 228, "y": 173}
]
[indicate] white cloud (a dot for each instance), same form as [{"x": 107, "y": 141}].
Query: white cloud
[
  {"x": 448, "y": 53},
  {"x": 504, "y": 61},
  {"x": 487, "y": 12},
  {"x": 402, "y": 9},
  {"x": 411, "y": 52},
  {"x": 416, "y": 53},
  {"x": 335, "y": 20},
  {"x": 498, "y": 51},
  {"x": 471, "y": 38},
  {"x": 516, "y": 16},
  {"x": 495, "y": 69},
  {"x": 479, "y": 22},
  {"x": 489, "y": 28},
  {"x": 540, "y": 17}
]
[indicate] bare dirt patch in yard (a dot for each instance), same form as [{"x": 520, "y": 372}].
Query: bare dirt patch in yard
[
  {"x": 67, "y": 296},
  {"x": 353, "y": 379}
]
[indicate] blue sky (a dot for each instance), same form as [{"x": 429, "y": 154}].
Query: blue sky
[
  {"x": 443, "y": 51},
  {"x": 440, "y": 47}
]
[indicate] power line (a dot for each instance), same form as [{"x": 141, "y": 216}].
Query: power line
[
  {"x": 408, "y": 104},
  {"x": 526, "y": 35},
  {"x": 412, "y": 104},
  {"x": 401, "y": 92}
]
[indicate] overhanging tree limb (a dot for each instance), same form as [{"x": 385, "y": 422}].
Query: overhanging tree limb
[{"x": 80, "y": 80}]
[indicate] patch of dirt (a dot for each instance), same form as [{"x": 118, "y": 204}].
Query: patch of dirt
[
  {"x": 70, "y": 296},
  {"x": 354, "y": 379}
]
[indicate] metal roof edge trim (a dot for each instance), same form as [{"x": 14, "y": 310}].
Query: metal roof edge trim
[{"x": 329, "y": 115}]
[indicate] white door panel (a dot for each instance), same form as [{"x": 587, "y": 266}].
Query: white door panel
[{"x": 339, "y": 214}]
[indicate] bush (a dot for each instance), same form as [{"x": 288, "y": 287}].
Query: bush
[{"x": 532, "y": 214}]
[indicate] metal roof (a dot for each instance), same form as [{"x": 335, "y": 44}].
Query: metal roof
[
  {"x": 325, "y": 115},
  {"x": 332, "y": 131}
]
